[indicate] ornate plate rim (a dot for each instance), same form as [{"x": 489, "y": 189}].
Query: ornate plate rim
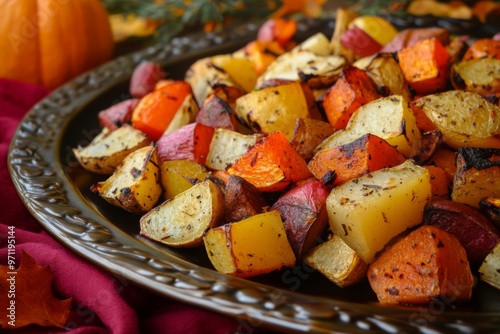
[{"x": 41, "y": 182}]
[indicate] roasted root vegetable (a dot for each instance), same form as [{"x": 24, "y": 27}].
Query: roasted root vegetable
[
  {"x": 144, "y": 78},
  {"x": 108, "y": 149},
  {"x": 425, "y": 66},
  {"x": 476, "y": 232},
  {"x": 303, "y": 211},
  {"x": 118, "y": 114},
  {"x": 366, "y": 154},
  {"x": 228, "y": 146},
  {"x": 389, "y": 118},
  {"x": 426, "y": 264},
  {"x": 308, "y": 134},
  {"x": 216, "y": 113},
  {"x": 274, "y": 108},
  {"x": 483, "y": 48},
  {"x": 353, "y": 89},
  {"x": 490, "y": 268},
  {"x": 242, "y": 199},
  {"x": 337, "y": 262},
  {"x": 156, "y": 110},
  {"x": 361, "y": 211},
  {"x": 183, "y": 220},
  {"x": 135, "y": 184},
  {"x": 180, "y": 175},
  {"x": 190, "y": 142},
  {"x": 440, "y": 183},
  {"x": 490, "y": 206},
  {"x": 478, "y": 75},
  {"x": 477, "y": 175},
  {"x": 253, "y": 246},
  {"x": 241, "y": 70},
  {"x": 464, "y": 118},
  {"x": 271, "y": 164}
]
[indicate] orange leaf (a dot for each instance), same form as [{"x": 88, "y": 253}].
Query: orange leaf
[{"x": 29, "y": 296}]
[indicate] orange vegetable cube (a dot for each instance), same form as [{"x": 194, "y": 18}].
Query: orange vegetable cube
[
  {"x": 425, "y": 65},
  {"x": 352, "y": 90},
  {"x": 271, "y": 164},
  {"x": 483, "y": 48},
  {"x": 345, "y": 162},
  {"x": 428, "y": 263},
  {"x": 156, "y": 110},
  {"x": 439, "y": 181}
]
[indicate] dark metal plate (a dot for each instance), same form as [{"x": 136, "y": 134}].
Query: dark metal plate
[{"x": 55, "y": 189}]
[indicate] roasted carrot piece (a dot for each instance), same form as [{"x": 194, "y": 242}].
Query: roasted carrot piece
[
  {"x": 439, "y": 181},
  {"x": 190, "y": 142},
  {"x": 425, "y": 65},
  {"x": 284, "y": 30},
  {"x": 156, "y": 110},
  {"x": 271, "y": 164},
  {"x": 483, "y": 48},
  {"x": 352, "y": 90},
  {"x": 366, "y": 154},
  {"x": 426, "y": 264}
]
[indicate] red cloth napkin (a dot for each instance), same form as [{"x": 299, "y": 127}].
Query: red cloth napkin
[{"x": 101, "y": 303}]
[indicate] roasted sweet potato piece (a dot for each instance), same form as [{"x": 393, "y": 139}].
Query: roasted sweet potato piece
[
  {"x": 271, "y": 164},
  {"x": 190, "y": 142},
  {"x": 118, "y": 114},
  {"x": 425, "y": 65},
  {"x": 216, "y": 113},
  {"x": 477, "y": 176},
  {"x": 353, "y": 89},
  {"x": 426, "y": 264},
  {"x": 303, "y": 211},
  {"x": 308, "y": 134},
  {"x": 439, "y": 181},
  {"x": 364, "y": 155},
  {"x": 483, "y": 48},
  {"x": 476, "y": 232},
  {"x": 424, "y": 123},
  {"x": 242, "y": 199},
  {"x": 444, "y": 158}
]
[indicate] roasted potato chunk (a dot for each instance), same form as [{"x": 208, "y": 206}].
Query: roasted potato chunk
[
  {"x": 180, "y": 175},
  {"x": 478, "y": 75},
  {"x": 182, "y": 221},
  {"x": 108, "y": 149},
  {"x": 490, "y": 268},
  {"x": 135, "y": 184}
]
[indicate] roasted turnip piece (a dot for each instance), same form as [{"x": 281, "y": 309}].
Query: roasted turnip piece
[
  {"x": 476, "y": 232},
  {"x": 242, "y": 199},
  {"x": 135, "y": 184},
  {"x": 303, "y": 211},
  {"x": 190, "y": 142},
  {"x": 337, "y": 262},
  {"x": 118, "y": 114},
  {"x": 183, "y": 220},
  {"x": 477, "y": 175},
  {"x": 108, "y": 149},
  {"x": 216, "y": 113},
  {"x": 144, "y": 78}
]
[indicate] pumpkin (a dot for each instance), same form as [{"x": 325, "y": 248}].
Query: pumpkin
[{"x": 48, "y": 42}]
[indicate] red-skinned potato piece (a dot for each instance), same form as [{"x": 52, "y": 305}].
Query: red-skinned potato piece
[
  {"x": 118, "y": 114},
  {"x": 242, "y": 199},
  {"x": 477, "y": 234},
  {"x": 410, "y": 36},
  {"x": 144, "y": 78},
  {"x": 271, "y": 164},
  {"x": 366, "y": 154},
  {"x": 352, "y": 90},
  {"x": 359, "y": 42},
  {"x": 190, "y": 142},
  {"x": 216, "y": 113},
  {"x": 303, "y": 211}
]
